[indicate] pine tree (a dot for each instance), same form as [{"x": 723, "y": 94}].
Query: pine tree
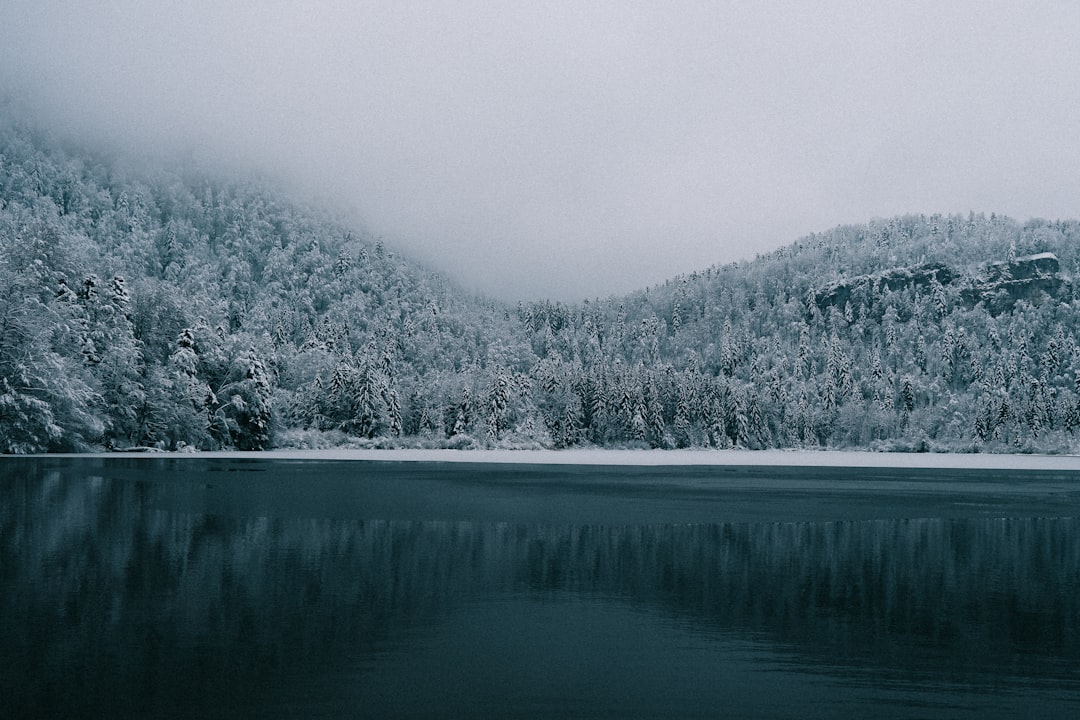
[
  {"x": 365, "y": 400},
  {"x": 571, "y": 424},
  {"x": 498, "y": 398},
  {"x": 920, "y": 353},
  {"x": 180, "y": 400},
  {"x": 246, "y": 410},
  {"x": 804, "y": 363},
  {"x": 937, "y": 296},
  {"x": 758, "y": 429},
  {"x": 654, "y": 414},
  {"x": 463, "y": 416},
  {"x": 907, "y": 391},
  {"x": 682, "y": 425},
  {"x": 393, "y": 409},
  {"x": 119, "y": 368}
]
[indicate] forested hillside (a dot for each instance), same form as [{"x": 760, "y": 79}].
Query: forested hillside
[
  {"x": 159, "y": 309},
  {"x": 912, "y": 333},
  {"x": 174, "y": 310}
]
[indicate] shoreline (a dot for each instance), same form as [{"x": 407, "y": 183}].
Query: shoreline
[{"x": 629, "y": 458}]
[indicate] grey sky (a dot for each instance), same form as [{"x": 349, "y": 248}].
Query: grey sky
[{"x": 575, "y": 149}]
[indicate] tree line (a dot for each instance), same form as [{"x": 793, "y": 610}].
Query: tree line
[{"x": 175, "y": 310}]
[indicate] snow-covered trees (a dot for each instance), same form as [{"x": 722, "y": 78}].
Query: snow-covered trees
[
  {"x": 244, "y": 403},
  {"x": 180, "y": 401},
  {"x": 181, "y": 311},
  {"x": 115, "y": 358},
  {"x": 48, "y": 399}
]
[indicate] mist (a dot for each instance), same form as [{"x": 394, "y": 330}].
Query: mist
[{"x": 574, "y": 150}]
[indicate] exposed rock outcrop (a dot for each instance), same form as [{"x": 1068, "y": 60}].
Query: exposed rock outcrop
[
  {"x": 1001, "y": 284},
  {"x": 895, "y": 279}
]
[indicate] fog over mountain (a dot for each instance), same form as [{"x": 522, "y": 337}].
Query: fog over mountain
[{"x": 571, "y": 150}]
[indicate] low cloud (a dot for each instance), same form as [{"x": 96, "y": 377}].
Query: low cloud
[{"x": 571, "y": 150}]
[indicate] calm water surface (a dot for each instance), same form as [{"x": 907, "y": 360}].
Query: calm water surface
[{"x": 267, "y": 588}]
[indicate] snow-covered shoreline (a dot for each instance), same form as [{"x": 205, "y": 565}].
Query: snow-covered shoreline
[{"x": 644, "y": 458}]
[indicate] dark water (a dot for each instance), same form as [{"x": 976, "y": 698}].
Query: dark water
[{"x": 256, "y": 588}]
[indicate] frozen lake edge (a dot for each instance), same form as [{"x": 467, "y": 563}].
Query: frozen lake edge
[{"x": 642, "y": 458}]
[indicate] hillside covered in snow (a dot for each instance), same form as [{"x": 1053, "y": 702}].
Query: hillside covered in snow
[{"x": 171, "y": 309}]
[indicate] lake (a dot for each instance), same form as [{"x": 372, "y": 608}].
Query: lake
[{"x": 248, "y": 587}]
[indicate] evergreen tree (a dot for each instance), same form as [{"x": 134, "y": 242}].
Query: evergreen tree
[
  {"x": 463, "y": 416},
  {"x": 498, "y": 398},
  {"x": 119, "y": 365},
  {"x": 179, "y": 400},
  {"x": 246, "y": 403}
]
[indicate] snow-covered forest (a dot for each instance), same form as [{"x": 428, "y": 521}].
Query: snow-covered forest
[{"x": 172, "y": 310}]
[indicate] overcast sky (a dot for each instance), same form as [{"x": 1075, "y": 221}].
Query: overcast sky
[{"x": 577, "y": 149}]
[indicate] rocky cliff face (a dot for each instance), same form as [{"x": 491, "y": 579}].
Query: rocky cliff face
[
  {"x": 1001, "y": 284},
  {"x": 921, "y": 276},
  {"x": 998, "y": 285}
]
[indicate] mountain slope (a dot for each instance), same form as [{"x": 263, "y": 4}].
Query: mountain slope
[
  {"x": 905, "y": 333},
  {"x": 155, "y": 308}
]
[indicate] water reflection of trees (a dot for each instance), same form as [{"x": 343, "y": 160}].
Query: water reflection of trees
[{"x": 133, "y": 602}]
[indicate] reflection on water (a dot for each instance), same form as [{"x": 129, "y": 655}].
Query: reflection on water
[{"x": 110, "y": 604}]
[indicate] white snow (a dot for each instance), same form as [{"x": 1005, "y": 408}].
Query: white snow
[
  {"x": 786, "y": 458},
  {"x": 1039, "y": 256}
]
